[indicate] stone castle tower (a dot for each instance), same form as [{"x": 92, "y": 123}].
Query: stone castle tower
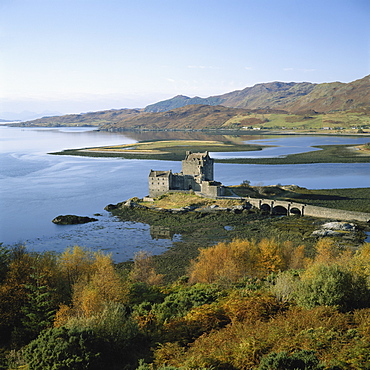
[
  {"x": 196, "y": 175},
  {"x": 199, "y": 165}
]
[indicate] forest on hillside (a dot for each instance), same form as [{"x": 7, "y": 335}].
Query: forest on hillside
[{"x": 243, "y": 304}]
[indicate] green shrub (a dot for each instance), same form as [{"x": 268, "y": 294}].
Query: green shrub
[
  {"x": 143, "y": 292},
  {"x": 332, "y": 285},
  {"x": 178, "y": 304},
  {"x": 61, "y": 348},
  {"x": 302, "y": 360}
]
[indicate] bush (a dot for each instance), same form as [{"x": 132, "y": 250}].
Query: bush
[
  {"x": 178, "y": 304},
  {"x": 332, "y": 285},
  {"x": 109, "y": 340},
  {"x": 61, "y": 348},
  {"x": 142, "y": 292},
  {"x": 302, "y": 360}
]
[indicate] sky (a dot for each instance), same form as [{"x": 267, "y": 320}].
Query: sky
[{"x": 73, "y": 56}]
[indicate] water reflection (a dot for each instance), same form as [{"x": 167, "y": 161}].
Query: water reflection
[{"x": 161, "y": 232}]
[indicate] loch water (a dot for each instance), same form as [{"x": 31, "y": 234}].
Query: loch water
[{"x": 36, "y": 186}]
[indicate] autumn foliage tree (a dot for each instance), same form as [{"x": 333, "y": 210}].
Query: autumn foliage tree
[
  {"x": 93, "y": 287},
  {"x": 360, "y": 263},
  {"x": 224, "y": 262},
  {"x": 229, "y": 262},
  {"x": 247, "y": 304}
]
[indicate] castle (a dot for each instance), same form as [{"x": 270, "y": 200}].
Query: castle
[{"x": 196, "y": 175}]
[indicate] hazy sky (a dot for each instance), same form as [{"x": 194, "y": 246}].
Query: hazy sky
[{"x": 85, "y": 55}]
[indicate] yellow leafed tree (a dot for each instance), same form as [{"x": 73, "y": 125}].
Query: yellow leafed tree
[
  {"x": 76, "y": 263},
  {"x": 270, "y": 257},
  {"x": 328, "y": 252},
  {"x": 96, "y": 285},
  {"x": 360, "y": 263},
  {"x": 224, "y": 262}
]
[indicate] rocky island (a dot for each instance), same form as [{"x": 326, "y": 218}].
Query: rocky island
[{"x": 72, "y": 220}]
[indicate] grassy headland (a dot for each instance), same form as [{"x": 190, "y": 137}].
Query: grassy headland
[{"x": 175, "y": 151}]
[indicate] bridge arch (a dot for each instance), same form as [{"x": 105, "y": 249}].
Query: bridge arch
[
  {"x": 279, "y": 210},
  {"x": 295, "y": 211},
  {"x": 265, "y": 207}
]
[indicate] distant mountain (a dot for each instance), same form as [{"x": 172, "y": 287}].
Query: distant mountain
[
  {"x": 26, "y": 115},
  {"x": 7, "y": 120},
  {"x": 258, "y": 105},
  {"x": 188, "y": 117},
  {"x": 292, "y": 97},
  {"x": 181, "y": 101},
  {"x": 84, "y": 119}
]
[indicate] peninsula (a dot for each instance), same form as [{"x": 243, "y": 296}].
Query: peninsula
[{"x": 175, "y": 150}]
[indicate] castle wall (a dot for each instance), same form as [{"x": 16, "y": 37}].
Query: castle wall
[
  {"x": 159, "y": 182},
  {"x": 211, "y": 189}
]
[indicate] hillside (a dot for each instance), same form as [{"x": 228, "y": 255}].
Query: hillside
[
  {"x": 84, "y": 119},
  {"x": 188, "y": 117},
  {"x": 274, "y": 105},
  {"x": 180, "y": 101},
  {"x": 292, "y": 97}
]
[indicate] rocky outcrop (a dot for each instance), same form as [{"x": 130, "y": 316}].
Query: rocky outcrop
[
  {"x": 133, "y": 204},
  {"x": 335, "y": 229},
  {"x": 72, "y": 220}
]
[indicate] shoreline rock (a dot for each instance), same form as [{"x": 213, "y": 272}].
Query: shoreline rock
[{"x": 72, "y": 220}]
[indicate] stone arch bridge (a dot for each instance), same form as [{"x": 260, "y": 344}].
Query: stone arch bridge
[
  {"x": 282, "y": 207},
  {"x": 278, "y": 206}
]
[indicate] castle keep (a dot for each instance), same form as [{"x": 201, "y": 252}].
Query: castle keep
[{"x": 196, "y": 175}]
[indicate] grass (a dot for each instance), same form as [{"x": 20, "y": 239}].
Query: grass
[{"x": 357, "y": 199}]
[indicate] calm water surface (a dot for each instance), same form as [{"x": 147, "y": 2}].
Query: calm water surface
[
  {"x": 36, "y": 187},
  {"x": 285, "y": 145}
]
